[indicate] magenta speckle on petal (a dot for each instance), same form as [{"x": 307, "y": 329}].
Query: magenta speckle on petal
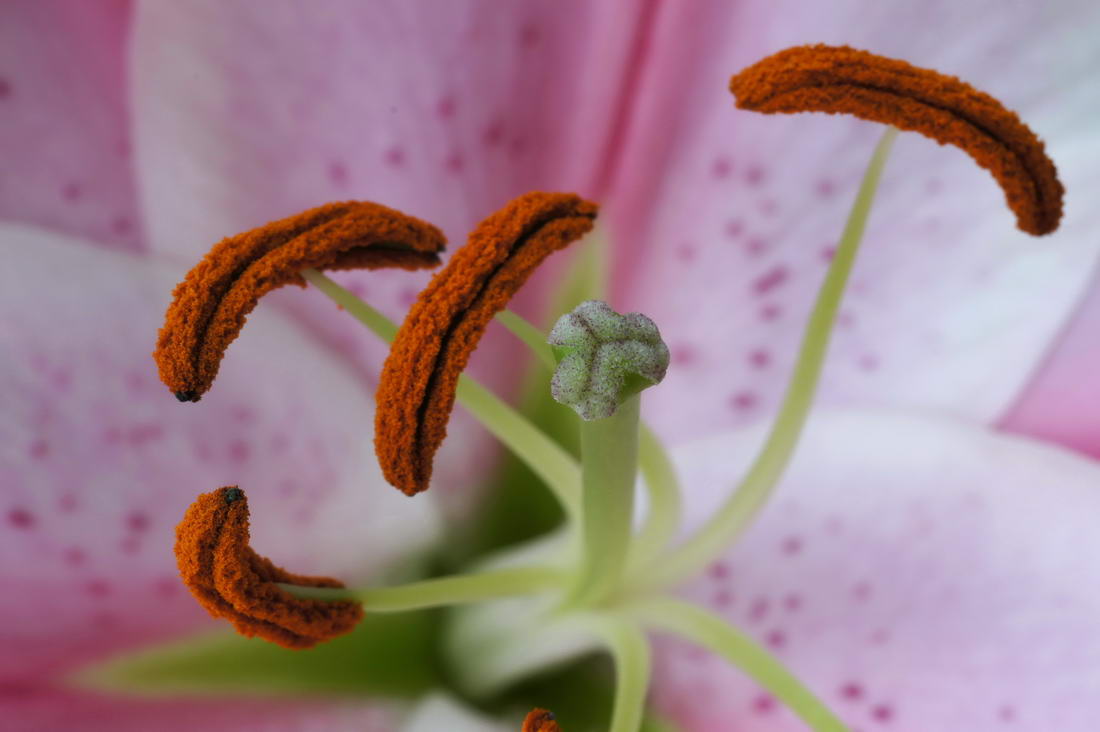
[
  {"x": 756, "y": 246},
  {"x": 394, "y": 157},
  {"x": 72, "y": 192},
  {"x": 455, "y": 163},
  {"x": 74, "y": 556},
  {"x": 517, "y": 147},
  {"x": 137, "y": 521},
  {"x": 338, "y": 173},
  {"x": 851, "y": 691},
  {"x": 743, "y": 400},
  {"x": 770, "y": 280},
  {"x": 791, "y": 545},
  {"x": 754, "y": 175},
  {"x": 770, "y": 312},
  {"x": 792, "y": 602},
  {"x": 825, "y": 188},
  {"x": 684, "y": 354},
  {"x": 446, "y": 107},
  {"x": 67, "y": 503},
  {"x": 759, "y": 609},
  {"x": 5, "y": 88},
  {"x": 861, "y": 591},
  {"x": 122, "y": 226},
  {"x": 763, "y": 704},
  {"x": 723, "y": 599},
  {"x": 239, "y": 450},
  {"x": 868, "y": 362},
  {"x": 529, "y": 36},
  {"x": 21, "y": 518},
  {"x": 776, "y": 639},
  {"x": 882, "y": 712},
  {"x": 719, "y": 571},
  {"x": 759, "y": 358},
  {"x": 734, "y": 228},
  {"x": 493, "y": 135},
  {"x": 721, "y": 168},
  {"x": 686, "y": 253},
  {"x": 98, "y": 588},
  {"x": 38, "y": 449},
  {"x": 1006, "y": 714}
]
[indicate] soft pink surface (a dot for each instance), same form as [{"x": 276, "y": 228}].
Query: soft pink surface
[
  {"x": 917, "y": 574},
  {"x": 34, "y": 710},
  {"x": 1062, "y": 402},
  {"x": 189, "y": 121},
  {"x": 98, "y": 461},
  {"x": 64, "y": 127},
  {"x": 724, "y": 220}
]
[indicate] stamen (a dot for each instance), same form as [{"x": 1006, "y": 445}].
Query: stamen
[
  {"x": 540, "y": 720},
  {"x": 845, "y": 80},
  {"x": 232, "y": 581},
  {"x": 417, "y": 389},
  {"x": 211, "y": 304}
]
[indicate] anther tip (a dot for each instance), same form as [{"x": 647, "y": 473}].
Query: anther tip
[
  {"x": 188, "y": 396},
  {"x": 232, "y": 495}
]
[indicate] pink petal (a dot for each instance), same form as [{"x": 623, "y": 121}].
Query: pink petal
[
  {"x": 244, "y": 115},
  {"x": 65, "y": 135},
  {"x": 99, "y": 461},
  {"x": 53, "y": 709},
  {"x": 445, "y": 111},
  {"x": 918, "y": 574},
  {"x": 1060, "y": 402},
  {"x": 729, "y": 217}
]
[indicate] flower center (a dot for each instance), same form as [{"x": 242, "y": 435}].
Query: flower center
[{"x": 597, "y": 582}]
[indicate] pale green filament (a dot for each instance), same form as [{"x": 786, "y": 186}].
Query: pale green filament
[
  {"x": 609, "y": 452},
  {"x": 738, "y": 512},
  {"x": 663, "y": 518},
  {"x": 630, "y": 652},
  {"x": 545, "y": 457},
  {"x": 441, "y": 591},
  {"x": 531, "y": 335},
  {"x": 615, "y": 587},
  {"x": 713, "y": 633}
]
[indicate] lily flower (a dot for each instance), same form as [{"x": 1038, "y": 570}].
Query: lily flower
[{"x": 925, "y": 563}]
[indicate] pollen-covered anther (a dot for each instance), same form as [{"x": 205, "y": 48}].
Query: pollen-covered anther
[
  {"x": 416, "y": 392},
  {"x": 540, "y": 720},
  {"x": 839, "y": 79},
  {"x": 232, "y": 581},
  {"x": 606, "y": 358},
  {"x": 210, "y": 306}
]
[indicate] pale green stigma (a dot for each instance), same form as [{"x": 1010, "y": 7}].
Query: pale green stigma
[{"x": 604, "y": 357}]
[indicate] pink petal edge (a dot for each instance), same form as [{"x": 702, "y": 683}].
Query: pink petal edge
[
  {"x": 919, "y": 574},
  {"x": 99, "y": 461}
]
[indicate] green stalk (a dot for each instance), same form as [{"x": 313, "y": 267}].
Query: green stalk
[
  {"x": 609, "y": 463},
  {"x": 546, "y": 458},
  {"x": 630, "y": 652},
  {"x": 759, "y": 483},
  {"x": 663, "y": 518},
  {"x": 440, "y": 592},
  {"x": 665, "y": 505},
  {"x": 532, "y": 337},
  {"x": 713, "y": 633}
]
